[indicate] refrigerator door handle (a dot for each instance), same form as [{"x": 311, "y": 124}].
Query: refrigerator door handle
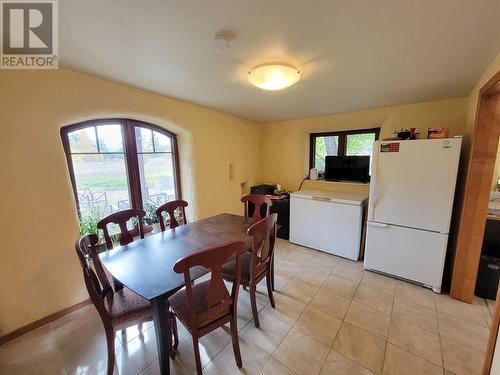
[
  {"x": 380, "y": 225},
  {"x": 372, "y": 199}
]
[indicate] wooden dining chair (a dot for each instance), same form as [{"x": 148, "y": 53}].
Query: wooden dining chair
[
  {"x": 170, "y": 208},
  {"x": 117, "y": 310},
  {"x": 258, "y": 201},
  {"x": 121, "y": 218},
  {"x": 205, "y": 306},
  {"x": 257, "y": 264}
]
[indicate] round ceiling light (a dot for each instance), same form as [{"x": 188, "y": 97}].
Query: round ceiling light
[{"x": 273, "y": 76}]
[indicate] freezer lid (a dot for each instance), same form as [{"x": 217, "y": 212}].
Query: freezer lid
[
  {"x": 331, "y": 196},
  {"x": 413, "y": 183}
]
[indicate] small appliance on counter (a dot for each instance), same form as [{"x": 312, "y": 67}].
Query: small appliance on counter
[
  {"x": 313, "y": 174},
  {"x": 263, "y": 189}
]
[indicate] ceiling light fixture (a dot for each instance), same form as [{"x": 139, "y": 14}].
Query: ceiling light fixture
[{"x": 273, "y": 76}]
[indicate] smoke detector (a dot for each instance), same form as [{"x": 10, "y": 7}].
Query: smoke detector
[{"x": 223, "y": 39}]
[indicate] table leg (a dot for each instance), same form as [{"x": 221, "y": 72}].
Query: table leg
[{"x": 161, "y": 320}]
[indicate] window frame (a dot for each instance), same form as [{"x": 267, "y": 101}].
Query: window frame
[
  {"x": 342, "y": 137},
  {"x": 130, "y": 155}
]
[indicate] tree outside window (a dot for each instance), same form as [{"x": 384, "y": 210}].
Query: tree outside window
[
  {"x": 346, "y": 143},
  {"x": 120, "y": 164}
]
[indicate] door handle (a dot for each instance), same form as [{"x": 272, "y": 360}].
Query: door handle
[
  {"x": 374, "y": 184},
  {"x": 321, "y": 199},
  {"x": 380, "y": 225}
]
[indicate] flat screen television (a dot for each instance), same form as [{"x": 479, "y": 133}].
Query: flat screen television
[{"x": 347, "y": 168}]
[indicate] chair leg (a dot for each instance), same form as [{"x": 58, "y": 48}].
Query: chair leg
[
  {"x": 272, "y": 273},
  {"x": 270, "y": 288},
  {"x": 236, "y": 342},
  {"x": 175, "y": 333},
  {"x": 110, "y": 342},
  {"x": 197, "y": 359},
  {"x": 253, "y": 302}
]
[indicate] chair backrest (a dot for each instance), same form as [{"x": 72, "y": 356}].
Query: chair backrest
[
  {"x": 263, "y": 234},
  {"x": 121, "y": 218},
  {"x": 257, "y": 200},
  {"x": 86, "y": 248},
  {"x": 170, "y": 208},
  {"x": 96, "y": 291},
  {"x": 217, "y": 296}
]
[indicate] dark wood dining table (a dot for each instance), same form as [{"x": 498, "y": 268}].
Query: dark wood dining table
[{"x": 146, "y": 266}]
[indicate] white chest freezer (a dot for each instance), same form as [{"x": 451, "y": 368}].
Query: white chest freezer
[{"x": 327, "y": 221}]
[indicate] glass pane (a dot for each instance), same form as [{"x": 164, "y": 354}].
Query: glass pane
[
  {"x": 144, "y": 139},
  {"x": 325, "y": 146},
  {"x": 110, "y": 138},
  {"x": 157, "y": 178},
  {"x": 162, "y": 142},
  {"x": 101, "y": 183},
  {"x": 360, "y": 144},
  {"x": 82, "y": 140}
]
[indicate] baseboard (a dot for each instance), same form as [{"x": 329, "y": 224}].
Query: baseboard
[{"x": 40, "y": 322}]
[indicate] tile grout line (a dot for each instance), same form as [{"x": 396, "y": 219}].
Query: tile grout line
[
  {"x": 439, "y": 334},
  {"x": 288, "y": 332},
  {"x": 423, "y": 329},
  {"x": 343, "y": 319},
  {"x": 420, "y": 328},
  {"x": 307, "y": 305},
  {"x": 271, "y": 355},
  {"x": 390, "y": 323}
]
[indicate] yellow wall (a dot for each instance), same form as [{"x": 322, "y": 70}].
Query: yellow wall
[
  {"x": 471, "y": 107},
  {"x": 39, "y": 271},
  {"x": 285, "y": 147},
  {"x": 471, "y": 102}
]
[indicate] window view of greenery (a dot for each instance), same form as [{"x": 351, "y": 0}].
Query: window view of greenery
[
  {"x": 356, "y": 144},
  {"x": 360, "y": 144},
  {"x": 100, "y": 172},
  {"x": 325, "y": 146},
  {"x": 99, "y": 164},
  {"x": 154, "y": 151}
]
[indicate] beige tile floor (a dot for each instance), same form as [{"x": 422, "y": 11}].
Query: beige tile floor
[{"x": 331, "y": 317}]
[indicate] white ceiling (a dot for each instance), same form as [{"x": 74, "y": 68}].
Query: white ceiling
[{"x": 353, "y": 55}]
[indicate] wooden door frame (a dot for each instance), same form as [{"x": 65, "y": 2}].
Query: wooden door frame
[{"x": 481, "y": 167}]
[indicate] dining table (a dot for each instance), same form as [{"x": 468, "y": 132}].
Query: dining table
[{"x": 145, "y": 266}]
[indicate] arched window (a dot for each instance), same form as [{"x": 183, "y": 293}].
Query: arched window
[{"x": 115, "y": 164}]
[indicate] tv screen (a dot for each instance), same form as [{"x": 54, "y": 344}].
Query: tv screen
[{"x": 347, "y": 168}]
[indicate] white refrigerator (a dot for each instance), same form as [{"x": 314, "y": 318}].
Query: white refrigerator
[{"x": 409, "y": 211}]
